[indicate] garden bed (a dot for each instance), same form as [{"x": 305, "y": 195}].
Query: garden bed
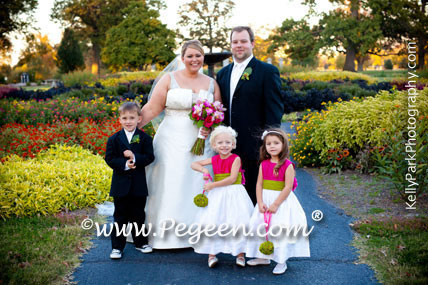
[
  {"x": 365, "y": 196},
  {"x": 391, "y": 239}
]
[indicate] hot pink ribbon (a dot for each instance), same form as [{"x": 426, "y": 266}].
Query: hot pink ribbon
[
  {"x": 206, "y": 181},
  {"x": 267, "y": 218},
  {"x": 243, "y": 177}
]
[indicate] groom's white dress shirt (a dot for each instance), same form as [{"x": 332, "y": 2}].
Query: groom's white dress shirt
[
  {"x": 129, "y": 137},
  {"x": 237, "y": 70}
]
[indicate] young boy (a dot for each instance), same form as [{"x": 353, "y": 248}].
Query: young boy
[{"x": 128, "y": 152}]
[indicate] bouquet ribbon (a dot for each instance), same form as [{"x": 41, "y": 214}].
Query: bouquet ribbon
[
  {"x": 267, "y": 247},
  {"x": 267, "y": 218},
  {"x": 200, "y": 136},
  {"x": 206, "y": 181}
]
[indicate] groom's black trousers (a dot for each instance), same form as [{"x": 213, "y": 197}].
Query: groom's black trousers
[
  {"x": 251, "y": 173},
  {"x": 128, "y": 209}
]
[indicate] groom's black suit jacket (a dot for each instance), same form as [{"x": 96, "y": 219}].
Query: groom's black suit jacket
[
  {"x": 131, "y": 182},
  {"x": 257, "y": 104}
]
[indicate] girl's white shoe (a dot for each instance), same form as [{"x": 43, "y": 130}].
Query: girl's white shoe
[
  {"x": 212, "y": 261},
  {"x": 280, "y": 268},
  {"x": 240, "y": 261},
  {"x": 258, "y": 261}
]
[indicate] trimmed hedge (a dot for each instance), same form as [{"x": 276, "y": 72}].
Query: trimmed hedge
[
  {"x": 61, "y": 178},
  {"x": 345, "y": 132},
  {"x": 331, "y": 75},
  {"x": 299, "y": 95}
]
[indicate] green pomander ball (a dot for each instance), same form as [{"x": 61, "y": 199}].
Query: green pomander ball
[
  {"x": 266, "y": 248},
  {"x": 200, "y": 200}
]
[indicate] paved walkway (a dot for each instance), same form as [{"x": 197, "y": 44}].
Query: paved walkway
[{"x": 332, "y": 258}]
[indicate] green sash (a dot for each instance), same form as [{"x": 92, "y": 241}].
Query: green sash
[
  {"x": 273, "y": 185},
  {"x": 221, "y": 176}
]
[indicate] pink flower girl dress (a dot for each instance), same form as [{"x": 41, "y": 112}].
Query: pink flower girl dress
[
  {"x": 289, "y": 214},
  {"x": 229, "y": 205}
]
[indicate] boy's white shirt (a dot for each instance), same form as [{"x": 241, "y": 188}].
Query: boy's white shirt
[{"x": 129, "y": 137}]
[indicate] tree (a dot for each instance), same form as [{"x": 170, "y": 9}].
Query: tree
[
  {"x": 403, "y": 21},
  {"x": 300, "y": 42},
  {"x": 91, "y": 19},
  {"x": 38, "y": 59},
  {"x": 399, "y": 21},
  {"x": 5, "y": 71},
  {"x": 206, "y": 20},
  {"x": 362, "y": 61},
  {"x": 261, "y": 50},
  {"x": 11, "y": 19},
  {"x": 350, "y": 29},
  {"x": 340, "y": 61},
  {"x": 70, "y": 56},
  {"x": 139, "y": 40},
  {"x": 387, "y": 64}
]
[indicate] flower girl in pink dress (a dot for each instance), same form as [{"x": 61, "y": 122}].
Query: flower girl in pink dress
[
  {"x": 228, "y": 201},
  {"x": 276, "y": 206}
]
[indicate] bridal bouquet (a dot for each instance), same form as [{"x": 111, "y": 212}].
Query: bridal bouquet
[{"x": 205, "y": 115}]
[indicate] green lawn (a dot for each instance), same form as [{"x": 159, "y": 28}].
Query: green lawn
[
  {"x": 386, "y": 75},
  {"x": 41, "y": 250},
  {"x": 396, "y": 247},
  {"x": 34, "y": 88},
  {"x": 393, "y": 241}
]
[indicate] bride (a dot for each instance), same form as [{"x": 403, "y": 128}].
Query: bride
[{"x": 171, "y": 182}]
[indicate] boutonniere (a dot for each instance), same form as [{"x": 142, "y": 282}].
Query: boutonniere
[
  {"x": 136, "y": 139},
  {"x": 247, "y": 73}
]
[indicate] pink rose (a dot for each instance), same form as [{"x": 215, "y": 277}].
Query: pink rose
[{"x": 209, "y": 122}]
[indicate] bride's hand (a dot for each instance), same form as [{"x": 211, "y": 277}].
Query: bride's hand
[{"x": 205, "y": 132}]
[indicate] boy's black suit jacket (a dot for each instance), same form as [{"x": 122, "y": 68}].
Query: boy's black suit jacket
[
  {"x": 256, "y": 105},
  {"x": 133, "y": 181}
]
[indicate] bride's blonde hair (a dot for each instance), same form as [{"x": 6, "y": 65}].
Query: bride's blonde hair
[
  {"x": 222, "y": 130},
  {"x": 195, "y": 44}
]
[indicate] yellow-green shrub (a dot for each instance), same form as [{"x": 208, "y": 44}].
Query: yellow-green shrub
[
  {"x": 124, "y": 77},
  {"x": 353, "y": 125},
  {"x": 62, "y": 177},
  {"x": 301, "y": 146},
  {"x": 331, "y": 75},
  {"x": 78, "y": 77}
]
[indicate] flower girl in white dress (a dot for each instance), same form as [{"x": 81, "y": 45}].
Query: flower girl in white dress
[
  {"x": 277, "y": 206},
  {"x": 228, "y": 201}
]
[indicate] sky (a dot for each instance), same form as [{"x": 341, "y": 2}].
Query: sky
[{"x": 261, "y": 15}]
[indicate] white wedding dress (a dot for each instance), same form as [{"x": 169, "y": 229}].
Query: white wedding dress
[{"x": 171, "y": 182}]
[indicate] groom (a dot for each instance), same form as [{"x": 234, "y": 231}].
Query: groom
[{"x": 250, "y": 90}]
